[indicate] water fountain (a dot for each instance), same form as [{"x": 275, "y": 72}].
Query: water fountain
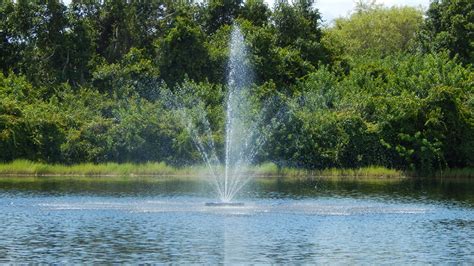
[{"x": 245, "y": 128}]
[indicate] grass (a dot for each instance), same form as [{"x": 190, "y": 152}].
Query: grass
[
  {"x": 371, "y": 171},
  {"x": 28, "y": 168},
  {"x": 24, "y": 167}
]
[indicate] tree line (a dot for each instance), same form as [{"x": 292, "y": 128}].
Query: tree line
[{"x": 389, "y": 86}]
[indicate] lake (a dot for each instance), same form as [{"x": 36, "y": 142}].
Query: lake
[{"x": 149, "y": 219}]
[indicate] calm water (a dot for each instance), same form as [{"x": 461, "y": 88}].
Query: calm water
[{"x": 71, "y": 220}]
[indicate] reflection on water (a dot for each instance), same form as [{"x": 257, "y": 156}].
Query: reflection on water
[{"x": 76, "y": 220}]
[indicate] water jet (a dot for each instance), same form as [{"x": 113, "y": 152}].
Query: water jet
[{"x": 246, "y": 125}]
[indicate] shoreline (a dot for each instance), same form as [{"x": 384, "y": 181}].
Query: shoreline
[{"x": 24, "y": 168}]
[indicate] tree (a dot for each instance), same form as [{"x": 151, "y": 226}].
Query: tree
[
  {"x": 256, "y": 11},
  {"x": 34, "y": 37},
  {"x": 81, "y": 38},
  {"x": 134, "y": 75},
  {"x": 373, "y": 30},
  {"x": 115, "y": 37},
  {"x": 298, "y": 28},
  {"x": 216, "y": 13},
  {"x": 145, "y": 19},
  {"x": 50, "y": 56},
  {"x": 450, "y": 26},
  {"x": 295, "y": 22},
  {"x": 182, "y": 52},
  {"x": 10, "y": 48}
]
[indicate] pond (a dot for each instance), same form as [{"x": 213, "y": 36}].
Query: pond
[{"x": 149, "y": 219}]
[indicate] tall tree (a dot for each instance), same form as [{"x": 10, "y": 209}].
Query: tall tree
[
  {"x": 256, "y": 11},
  {"x": 374, "y": 30},
  {"x": 298, "y": 26},
  {"x": 10, "y": 46},
  {"x": 216, "y": 13},
  {"x": 48, "y": 53},
  {"x": 183, "y": 52},
  {"x": 450, "y": 26},
  {"x": 82, "y": 38},
  {"x": 115, "y": 37},
  {"x": 145, "y": 19}
]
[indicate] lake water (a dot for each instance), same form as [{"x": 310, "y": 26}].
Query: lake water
[{"x": 120, "y": 220}]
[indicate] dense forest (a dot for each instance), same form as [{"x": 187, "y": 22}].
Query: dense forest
[{"x": 388, "y": 86}]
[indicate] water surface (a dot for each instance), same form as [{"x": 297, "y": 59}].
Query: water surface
[{"x": 77, "y": 220}]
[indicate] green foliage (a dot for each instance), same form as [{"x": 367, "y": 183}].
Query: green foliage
[
  {"x": 298, "y": 26},
  {"x": 409, "y": 112},
  {"x": 183, "y": 53},
  {"x": 450, "y": 26},
  {"x": 217, "y": 13},
  {"x": 134, "y": 74},
  {"x": 256, "y": 11},
  {"x": 373, "y": 30}
]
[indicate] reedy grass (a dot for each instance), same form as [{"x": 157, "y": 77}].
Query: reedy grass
[
  {"x": 29, "y": 168},
  {"x": 24, "y": 167},
  {"x": 370, "y": 171}
]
